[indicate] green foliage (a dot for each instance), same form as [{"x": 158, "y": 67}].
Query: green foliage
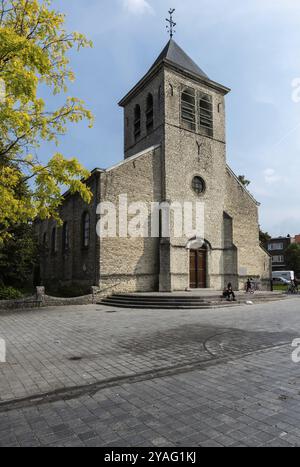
[
  {"x": 280, "y": 287},
  {"x": 243, "y": 180},
  {"x": 292, "y": 258},
  {"x": 33, "y": 51},
  {"x": 9, "y": 293},
  {"x": 18, "y": 256},
  {"x": 264, "y": 237}
]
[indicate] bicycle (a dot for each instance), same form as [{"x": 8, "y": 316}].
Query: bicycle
[{"x": 293, "y": 290}]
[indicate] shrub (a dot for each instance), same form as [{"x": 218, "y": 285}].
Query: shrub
[
  {"x": 9, "y": 293},
  {"x": 292, "y": 258},
  {"x": 18, "y": 257}
]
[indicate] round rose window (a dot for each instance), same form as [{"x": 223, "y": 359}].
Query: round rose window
[{"x": 198, "y": 185}]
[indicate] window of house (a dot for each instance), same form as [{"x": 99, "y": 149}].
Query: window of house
[
  {"x": 137, "y": 121},
  {"x": 188, "y": 109},
  {"x": 53, "y": 241},
  {"x": 206, "y": 114},
  {"x": 149, "y": 113},
  {"x": 278, "y": 259},
  {"x": 275, "y": 246},
  {"x": 198, "y": 185},
  {"x": 66, "y": 236},
  {"x": 86, "y": 230}
]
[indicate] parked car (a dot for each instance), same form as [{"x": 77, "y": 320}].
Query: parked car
[
  {"x": 281, "y": 281},
  {"x": 288, "y": 275}
]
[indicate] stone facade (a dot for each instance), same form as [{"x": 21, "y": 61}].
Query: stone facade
[
  {"x": 184, "y": 160},
  {"x": 75, "y": 265},
  {"x": 160, "y": 163},
  {"x": 132, "y": 264}
]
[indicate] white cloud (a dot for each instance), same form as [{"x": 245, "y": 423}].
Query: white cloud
[
  {"x": 137, "y": 7},
  {"x": 271, "y": 176}
]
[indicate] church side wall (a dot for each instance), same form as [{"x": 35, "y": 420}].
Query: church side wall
[
  {"x": 77, "y": 266},
  {"x": 253, "y": 261},
  {"x": 131, "y": 264}
]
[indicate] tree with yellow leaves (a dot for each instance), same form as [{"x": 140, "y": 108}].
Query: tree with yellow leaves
[{"x": 33, "y": 51}]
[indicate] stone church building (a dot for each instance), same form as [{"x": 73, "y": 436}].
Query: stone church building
[{"x": 175, "y": 151}]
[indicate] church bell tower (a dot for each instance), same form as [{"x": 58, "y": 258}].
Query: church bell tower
[{"x": 177, "y": 106}]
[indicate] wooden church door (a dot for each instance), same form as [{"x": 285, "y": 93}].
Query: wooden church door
[{"x": 198, "y": 269}]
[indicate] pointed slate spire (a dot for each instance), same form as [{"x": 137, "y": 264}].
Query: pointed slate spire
[{"x": 174, "y": 54}]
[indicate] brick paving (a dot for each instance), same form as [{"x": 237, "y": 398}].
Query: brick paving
[
  {"x": 252, "y": 401},
  {"x": 202, "y": 378}
]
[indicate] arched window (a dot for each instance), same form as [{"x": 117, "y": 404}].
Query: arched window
[
  {"x": 53, "y": 241},
  {"x": 137, "y": 121},
  {"x": 206, "y": 114},
  {"x": 149, "y": 113},
  {"x": 188, "y": 109},
  {"x": 86, "y": 230},
  {"x": 65, "y": 237}
]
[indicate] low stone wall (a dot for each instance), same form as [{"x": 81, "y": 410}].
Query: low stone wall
[{"x": 41, "y": 300}]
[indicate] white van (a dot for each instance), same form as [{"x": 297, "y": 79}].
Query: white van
[{"x": 288, "y": 275}]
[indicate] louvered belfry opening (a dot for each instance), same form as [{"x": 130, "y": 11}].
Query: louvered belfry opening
[
  {"x": 149, "y": 113},
  {"x": 137, "y": 122},
  {"x": 188, "y": 109}
]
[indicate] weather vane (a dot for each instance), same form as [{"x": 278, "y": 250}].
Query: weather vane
[{"x": 170, "y": 27}]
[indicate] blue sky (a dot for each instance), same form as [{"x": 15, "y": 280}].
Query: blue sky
[{"x": 253, "y": 47}]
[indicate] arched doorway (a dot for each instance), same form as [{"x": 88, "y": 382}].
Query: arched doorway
[{"x": 198, "y": 268}]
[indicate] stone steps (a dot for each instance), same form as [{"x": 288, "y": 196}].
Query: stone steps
[{"x": 161, "y": 301}]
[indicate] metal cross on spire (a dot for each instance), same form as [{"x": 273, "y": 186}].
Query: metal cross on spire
[{"x": 170, "y": 27}]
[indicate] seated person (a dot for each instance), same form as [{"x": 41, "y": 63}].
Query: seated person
[{"x": 228, "y": 293}]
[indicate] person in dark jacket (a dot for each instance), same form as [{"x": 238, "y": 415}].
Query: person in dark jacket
[
  {"x": 228, "y": 293},
  {"x": 248, "y": 286}
]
